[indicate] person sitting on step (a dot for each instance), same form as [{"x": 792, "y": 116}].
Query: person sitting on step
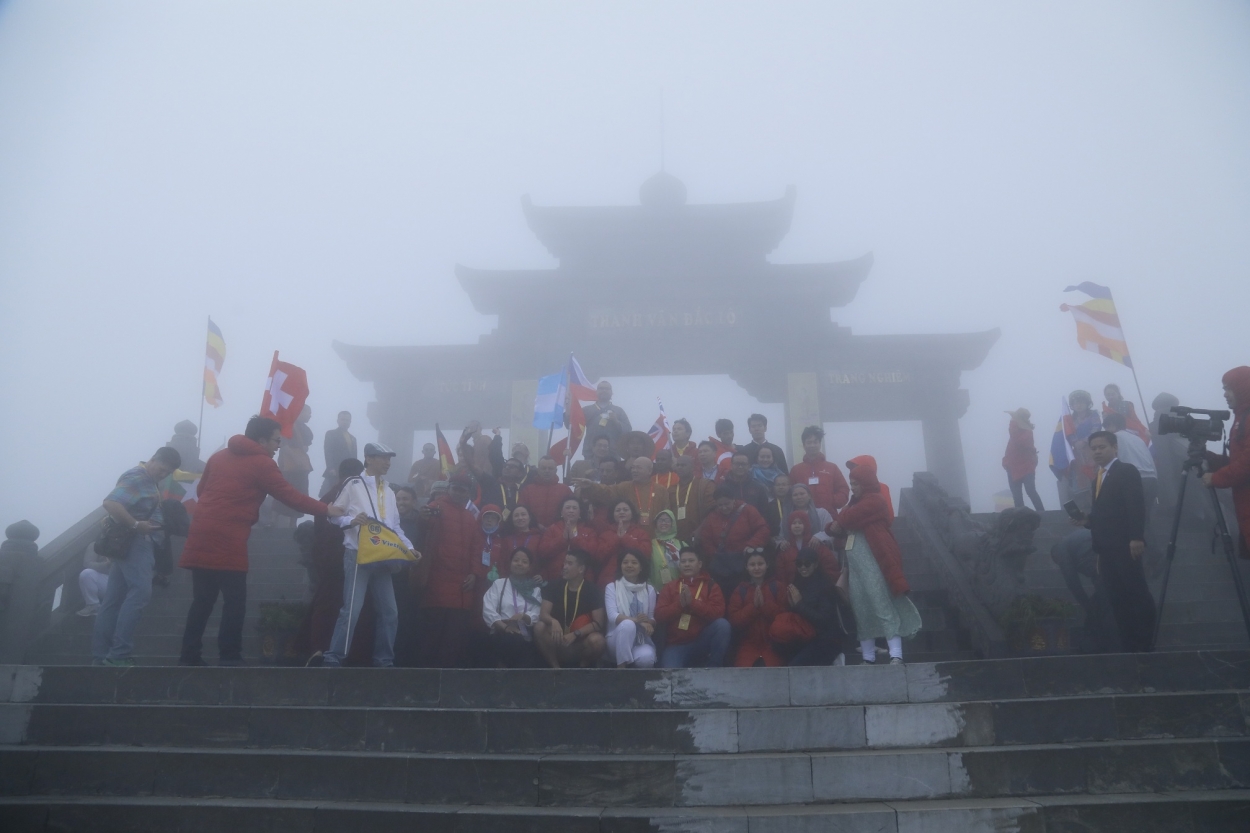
[
  {"x": 691, "y": 608},
  {"x": 510, "y": 608},
  {"x": 630, "y": 604},
  {"x": 570, "y": 628}
]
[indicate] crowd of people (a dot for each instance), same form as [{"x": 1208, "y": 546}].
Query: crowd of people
[{"x": 695, "y": 554}]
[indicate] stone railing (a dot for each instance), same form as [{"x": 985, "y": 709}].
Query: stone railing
[
  {"x": 39, "y": 585},
  {"x": 943, "y": 524}
]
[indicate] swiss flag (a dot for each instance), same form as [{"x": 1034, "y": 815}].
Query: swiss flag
[{"x": 285, "y": 394}]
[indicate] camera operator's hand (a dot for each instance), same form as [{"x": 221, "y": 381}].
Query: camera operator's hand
[
  {"x": 1136, "y": 549},
  {"x": 1206, "y": 479}
]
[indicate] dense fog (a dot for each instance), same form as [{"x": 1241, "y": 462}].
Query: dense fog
[{"x": 310, "y": 172}]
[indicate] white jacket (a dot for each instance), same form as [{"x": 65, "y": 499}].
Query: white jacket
[
  {"x": 360, "y": 494},
  {"x": 503, "y": 602}
]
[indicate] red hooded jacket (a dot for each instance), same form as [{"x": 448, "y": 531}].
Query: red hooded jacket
[
  {"x": 870, "y": 515},
  {"x": 707, "y": 604},
  {"x": 450, "y": 539},
  {"x": 785, "y": 566},
  {"x": 747, "y": 529},
  {"x": 543, "y": 500},
  {"x": 1235, "y": 473},
  {"x": 829, "y": 491},
  {"x": 232, "y": 488},
  {"x": 1021, "y": 458}
]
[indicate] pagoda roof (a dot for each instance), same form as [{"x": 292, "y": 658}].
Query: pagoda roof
[
  {"x": 661, "y": 229},
  {"x": 499, "y": 291}
]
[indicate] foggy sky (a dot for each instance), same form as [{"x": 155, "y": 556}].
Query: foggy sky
[{"x": 305, "y": 172}]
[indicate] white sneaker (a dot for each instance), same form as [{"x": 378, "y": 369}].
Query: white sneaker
[
  {"x": 89, "y": 610},
  {"x": 841, "y": 660},
  {"x": 896, "y": 660}
]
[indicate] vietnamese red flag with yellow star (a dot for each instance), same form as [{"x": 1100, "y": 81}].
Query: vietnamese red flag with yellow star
[{"x": 285, "y": 393}]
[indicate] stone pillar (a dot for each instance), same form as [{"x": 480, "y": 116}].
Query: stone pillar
[
  {"x": 944, "y": 448},
  {"x": 394, "y": 430},
  {"x": 802, "y": 410},
  {"x": 521, "y": 426}
]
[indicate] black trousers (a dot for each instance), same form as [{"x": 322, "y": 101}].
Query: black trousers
[
  {"x": 1124, "y": 582},
  {"x": 205, "y": 587},
  {"x": 444, "y": 637},
  {"x": 511, "y": 650},
  {"x": 1028, "y": 483}
]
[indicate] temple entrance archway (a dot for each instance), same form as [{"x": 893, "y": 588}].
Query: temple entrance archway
[{"x": 664, "y": 289}]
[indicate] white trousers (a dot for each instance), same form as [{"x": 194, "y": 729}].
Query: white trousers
[
  {"x": 868, "y": 648},
  {"x": 92, "y": 584},
  {"x": 622, "y": 641}
]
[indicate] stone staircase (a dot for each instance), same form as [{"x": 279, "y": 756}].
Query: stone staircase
[
  {"x": 1201, "y": 609},
  {"x": 942, "y": 637},
  {"x": 1155, "y": 742},
  {"x": 275, "y": 575}
]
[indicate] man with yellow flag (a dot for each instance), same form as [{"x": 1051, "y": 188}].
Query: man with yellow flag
[{"x": 374, "y": 547}]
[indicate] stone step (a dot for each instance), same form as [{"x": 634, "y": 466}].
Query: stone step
[
  {"x": 946, "y": 682},
  {"x": 655, "y": 731},
  {"x": 1175, "y": 812},
  {"x": 1144, "y": 766}
]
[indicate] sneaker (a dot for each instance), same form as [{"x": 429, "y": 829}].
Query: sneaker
[
  {"x": 316, "y": 660},
  {"x": 194, "y": 662},
  {"x": 89, "y": 610},
  {"x": 125, "y": 662},
  {"x": 896, "y": 660},
  {"x": 840, "y": 660}
]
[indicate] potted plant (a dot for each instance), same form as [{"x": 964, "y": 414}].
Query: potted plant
[
  {"x": 1038, "y": 625},
  {"x": 278, "y": 627}
]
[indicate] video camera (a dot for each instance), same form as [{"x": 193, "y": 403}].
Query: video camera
[{"x": 1182, "y": 421}]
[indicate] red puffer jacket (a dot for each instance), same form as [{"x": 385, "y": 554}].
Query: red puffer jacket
[
  {"x": 450, "y": 537},
  {"x": 232, "y": 488},
  {"x": 544, "y": 500},
  {"x": 554, "y": 547},
  {"x": 612, "y": 546},
  {"x": 869, "y": 515},
  {"x": 829, "y": 491},
  {"x": 727, "y": 533},
  {"x": 1235, "y": 474},
  {"x": 1020, "y": 459}
]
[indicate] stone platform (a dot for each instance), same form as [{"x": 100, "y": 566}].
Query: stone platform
[{"x": 1156, "y": 742}]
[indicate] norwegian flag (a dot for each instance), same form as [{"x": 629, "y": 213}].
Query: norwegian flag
[
  {"x": 286, "y": 391},
  {"x": 661, "y": 433}
]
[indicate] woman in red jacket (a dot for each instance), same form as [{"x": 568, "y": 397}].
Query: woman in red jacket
[
  {"x": 799, "y": 535},
  {"x": 1020, "y": 461},
  {"x": 1233, "y": 471},
  {"x": 878, "y": 588},
  {"x": 571, "y": 530},
  {"x": 627, "y": 533},
  {"x": 522, "y": 533},
  {"x": 752, "y": 608}
]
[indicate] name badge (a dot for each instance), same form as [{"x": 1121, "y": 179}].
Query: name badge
[
  {"x": 505, "y": 514},
  {"x": 646, "y": 517},
  {"x": 813, "y": 481},
  {"x": 603, "y": 420},
  {"x": 683, "y": 624},
  {"x": 850, "y": 542},
  {"x": 486, "y": 558},
  {"x": 681, "y": 513}
]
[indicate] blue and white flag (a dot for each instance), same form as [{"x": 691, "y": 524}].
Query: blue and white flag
[{"x": 549, "y": 403}]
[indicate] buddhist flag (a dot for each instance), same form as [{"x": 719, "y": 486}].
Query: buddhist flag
[
  {"x": 286, "y": 391},
  {"x": 445, "y": 459},
  {"x": 1098, "y": 324},
  {"x": 214, "y": 358}
]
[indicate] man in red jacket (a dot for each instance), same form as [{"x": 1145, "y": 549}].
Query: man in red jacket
[
  {"x": 823, "y": 479},
  {"x": 728, "y": 535},
  {"x": 691, "y": 608},
  {"x": 445, "y": 619},
  {"x": 232, "y": 488},
  {"x": 544, "y": 493},
  {"x": 1233, "y": 471}
]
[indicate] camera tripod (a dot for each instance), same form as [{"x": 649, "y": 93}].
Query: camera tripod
[{"x": 1192, "y": 467}]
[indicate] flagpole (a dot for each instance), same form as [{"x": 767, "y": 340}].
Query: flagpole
[
  {"x": 1141, "y": 397},
  {"x": 199, "y": 430}
]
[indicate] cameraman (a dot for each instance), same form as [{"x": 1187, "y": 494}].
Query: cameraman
[{"x": 1232, "y": 471}]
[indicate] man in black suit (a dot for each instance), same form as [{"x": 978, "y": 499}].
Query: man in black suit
[{"x": 1117, "y": 523}]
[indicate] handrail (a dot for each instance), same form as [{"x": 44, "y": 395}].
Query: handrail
[
  {"x": 29, "y": 612},
  {"x": 985, "y": 632}
]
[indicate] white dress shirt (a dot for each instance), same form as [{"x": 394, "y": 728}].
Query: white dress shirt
[
  {"x": 376, "y": 500},
  {"x": 1131, "y": 449}
]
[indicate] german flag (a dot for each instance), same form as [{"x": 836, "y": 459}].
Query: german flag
[{"x": 214, "y": 358}]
